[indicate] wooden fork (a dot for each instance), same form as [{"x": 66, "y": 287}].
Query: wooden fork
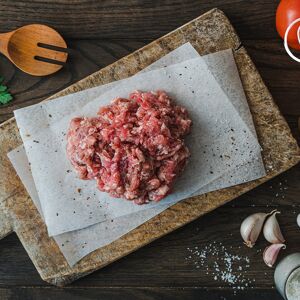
[{"x": 35, "y": 49}]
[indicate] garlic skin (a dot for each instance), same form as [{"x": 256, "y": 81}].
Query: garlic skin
[
  {"x": 272, "y": 232},
  {"x": 251, "y": 228},
  {"x": 271, "y": 252}
]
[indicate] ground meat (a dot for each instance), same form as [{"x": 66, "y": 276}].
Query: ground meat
[{"x": 134, "y": 148}]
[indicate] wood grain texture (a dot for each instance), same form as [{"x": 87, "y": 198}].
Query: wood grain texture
[
  {"x": 160, "y": 270},
  {"x": 22, "y": 47},
  {"x": 88, "y": 56},
  {"x": 136, "y": 19},
  {"x": 279, "y": 71},
  {"x": 254, "y": 21},
  {"x": 133, "y": 293},
  {"x": 163, "y": 264},
  {"x": 5, "y": 225},
  {"x": 209, "y": 33}
]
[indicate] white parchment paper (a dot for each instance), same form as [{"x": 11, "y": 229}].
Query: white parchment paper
[
  {"x": 77, "y": 244},
  {"x": 223, "y": 68},
  {"x": 220, "y": 133},
  {"x": 222, "y": 65}
]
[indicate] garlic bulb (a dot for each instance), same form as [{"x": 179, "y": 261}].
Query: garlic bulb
[
  {"x": 272, "y": 232},
  {"x": 251, "y": 228},
  {"x": 271, "y": 252}
]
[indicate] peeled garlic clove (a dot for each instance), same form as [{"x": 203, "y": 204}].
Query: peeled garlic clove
[
  {"x": 270, "y": 254},
  {"x": 251, "y": 228},
  {"x": 298, "y": 220},
  {"x": 272, "y": 232}
]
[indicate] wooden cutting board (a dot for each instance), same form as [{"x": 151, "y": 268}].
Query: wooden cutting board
[{"x": 208, "y": 33}]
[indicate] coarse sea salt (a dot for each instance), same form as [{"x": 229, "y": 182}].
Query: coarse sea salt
[{"x": 221, "y": 264}]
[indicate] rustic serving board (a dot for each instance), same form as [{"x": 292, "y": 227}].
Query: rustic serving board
[{"x": 208, "y": 33}]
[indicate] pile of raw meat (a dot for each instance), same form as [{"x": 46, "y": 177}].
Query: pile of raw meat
[{"x": 134, "y": 148}]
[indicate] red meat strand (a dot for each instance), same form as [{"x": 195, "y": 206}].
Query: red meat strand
[{"x": 134, "y": 148}]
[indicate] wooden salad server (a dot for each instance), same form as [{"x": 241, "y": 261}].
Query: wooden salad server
[{"x": 35, "y": 49}]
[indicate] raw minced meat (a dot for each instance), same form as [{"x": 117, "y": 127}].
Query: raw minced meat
[{"x": 134, "y": 148}]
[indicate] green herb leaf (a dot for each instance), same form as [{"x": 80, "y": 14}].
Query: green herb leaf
[
  {"x": 3, "y": 88},
  {"x": 5, "y": 96}
]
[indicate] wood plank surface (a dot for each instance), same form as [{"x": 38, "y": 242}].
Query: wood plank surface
[
  {"x": 162, "y": 265},
  {"x": 276, "y": 68},
  {"x": 136, "y": 19},
  {"x": 159, "y": 270},
  {"x": 133, "y": 293}
]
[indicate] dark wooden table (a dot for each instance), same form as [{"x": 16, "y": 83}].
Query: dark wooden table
[{"x": 100, "y": 32}]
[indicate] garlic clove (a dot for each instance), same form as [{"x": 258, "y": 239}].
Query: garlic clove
[
  {"x": 251, "y": 228},
  {"x": 271, "y": 252},
  {"x": 272, "y": 232},
  {"x": 298, "y": 218}
]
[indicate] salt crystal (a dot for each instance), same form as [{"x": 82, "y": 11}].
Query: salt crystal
[{"x": 222, "y": 264}]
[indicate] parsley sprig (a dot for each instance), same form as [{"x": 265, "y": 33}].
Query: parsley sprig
[{"x": 5, "y": 96}]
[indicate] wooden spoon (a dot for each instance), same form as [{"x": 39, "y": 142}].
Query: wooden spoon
[{"x": 33, "y": 49}]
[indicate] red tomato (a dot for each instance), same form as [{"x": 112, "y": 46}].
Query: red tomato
[{"x": 287, "y": 12}]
